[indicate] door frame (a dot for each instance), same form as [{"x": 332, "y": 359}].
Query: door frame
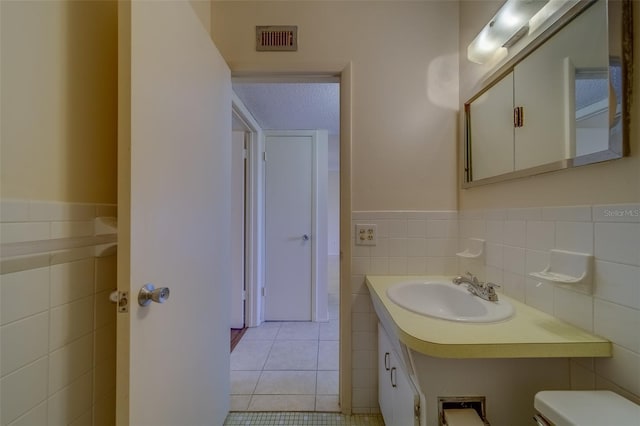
[
  {"x": 254, "y": 221},
  {"x": 317, "y": 72}
]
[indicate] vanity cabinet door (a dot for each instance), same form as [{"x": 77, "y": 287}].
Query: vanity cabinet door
[
  {"x": 385, "y": 398},
  {"x": 396, "y": 394}
]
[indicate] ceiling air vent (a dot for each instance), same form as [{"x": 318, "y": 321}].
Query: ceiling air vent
[{"x": 277, "y": 38}]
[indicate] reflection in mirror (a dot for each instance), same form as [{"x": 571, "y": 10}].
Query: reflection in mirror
[
  {"x": 562, "y": 101},
  {"x": 592, "y": 111}
]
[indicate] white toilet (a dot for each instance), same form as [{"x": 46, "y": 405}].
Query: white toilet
[{"x": 585, "y": 408}]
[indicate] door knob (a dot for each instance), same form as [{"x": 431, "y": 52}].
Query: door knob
[{"x": 148, "y": 293}]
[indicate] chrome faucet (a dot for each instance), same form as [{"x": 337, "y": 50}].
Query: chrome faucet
[{"x": 476, "y": 287}]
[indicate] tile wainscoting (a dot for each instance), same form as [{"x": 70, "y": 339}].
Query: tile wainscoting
[
  {"x": 517, "y": 242},
  {"x": 57, "y": 324}
]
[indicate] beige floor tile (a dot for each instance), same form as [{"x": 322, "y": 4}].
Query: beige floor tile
[
  {"x": 240, "y": 402},
  {"x": 330, "y": 330},
  {"x": 282, "y": 403},
  {"x": 244, "y": 382},
  {"x": 263, "y": 332},
  {"x": 299, "y": 331},
  {"x": 293, "y": 355},
  {"x": 287, "y": 382},
  {"x": 328, "y": 355},
  {"x": 250, "y": 354},
  {"x": 327, "y": 403},
  {"x": 327, "y": 383}
]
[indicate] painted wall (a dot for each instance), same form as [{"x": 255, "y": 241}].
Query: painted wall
[
  {"x": 404, "y": 94},
  {"x": 611, "y": 182},
  {"x": 59, "y": 101}
]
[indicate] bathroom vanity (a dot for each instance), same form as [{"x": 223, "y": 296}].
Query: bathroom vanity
[{"x": 506, "y": 362}]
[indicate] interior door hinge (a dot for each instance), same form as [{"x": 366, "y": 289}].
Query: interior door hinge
[
  {"x": 264, "y": 156},
  {"x": 263, "y": 292},
  {"x": 244, "y": 295}
]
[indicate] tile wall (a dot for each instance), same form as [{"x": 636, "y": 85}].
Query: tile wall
[
  {"x": 414, "y": 243},
  {"x": 517, "y": 242},
  {"x": 57, "y": 325}
]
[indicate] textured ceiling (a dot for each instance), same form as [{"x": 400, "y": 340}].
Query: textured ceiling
[{"x": 295, "y": 106}]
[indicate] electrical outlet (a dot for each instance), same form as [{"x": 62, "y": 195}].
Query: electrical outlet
[{"x": 366, "y": 235}]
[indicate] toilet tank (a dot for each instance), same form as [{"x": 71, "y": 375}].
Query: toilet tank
[{"x": 585, "y": 408}]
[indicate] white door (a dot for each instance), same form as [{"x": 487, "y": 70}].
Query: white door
[
  {"x": 288, "y": 216},
  {"x": 174, "y": 179}
]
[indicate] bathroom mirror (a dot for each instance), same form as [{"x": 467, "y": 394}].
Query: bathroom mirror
[{"x": 562, "y": 101}]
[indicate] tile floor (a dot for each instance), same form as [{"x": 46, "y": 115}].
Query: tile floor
[
  {"x": 302, "y": 419},
  {"x": 286, "y": 366},
  {"x": 289, "y": 366}
]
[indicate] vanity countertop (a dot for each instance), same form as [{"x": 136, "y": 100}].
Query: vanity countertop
[{"x": 529, "y": 333}]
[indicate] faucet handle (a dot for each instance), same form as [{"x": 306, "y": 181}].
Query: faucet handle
[
  {"x": 472, "y": 277},
  {"x": 492, "y": 285}
]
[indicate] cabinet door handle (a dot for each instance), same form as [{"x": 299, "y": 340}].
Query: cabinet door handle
[
  {"x": 393, "y": 382},
  {"x": 387, "y": 363}
]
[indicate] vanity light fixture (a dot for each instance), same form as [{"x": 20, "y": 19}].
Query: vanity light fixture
[{"x": 505, "y": 28}]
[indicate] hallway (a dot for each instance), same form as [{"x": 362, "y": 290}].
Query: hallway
[{"x": 289, "y": 366}]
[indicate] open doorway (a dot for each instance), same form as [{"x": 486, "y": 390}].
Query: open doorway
[{"x": 286, "y": 365}]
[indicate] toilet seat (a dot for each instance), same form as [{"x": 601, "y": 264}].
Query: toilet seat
[{"x": 586, "y": 408}]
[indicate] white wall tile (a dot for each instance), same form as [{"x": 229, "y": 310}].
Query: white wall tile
[
  {"x": 574, "y": 308},
  {"x": 358, "y": 285},
  {"x": 71, "y": 402},
  {"x": 362, "y": 251},
  {"x": 493, "y": 255},
  {"x": 529, "y": 213},
  {"x": 535, "y": 261},
  {"x": 363, "y": 321},
  {"x": 574, "y": 236},
  {"x": 618, "y": 242},
  {"x": 381, "y": 249},
  {"x": 495, "y": 231},
  {"x": 515, "y": 232},
  {"x": 23, "y": 390},
  {"x": 106, "y": 210},
  {"x": 437, "y": 247},
  {"x": 539, "y": 295},
  {"x": 397, "y": 247},
  {"x": 397, "y": 265},
  {"x": 495, "y": 214},
  {"x": 442, "y": 229},
  {"x": 581, "y": 377},
  {"x": 70, "y": 362},
  {"x": 416, "y": 228},
  {"x": 56, "y": 211},
  {"x": 379, "y": 266},
  {"x": 14, "y": 210},
  {"x": 69, "y": 322},
  {"x": 361, "y": 303},
  {"x": 416, "y": 247},
  {"x": 360, "y": 265},
  {"x": 72, "y": 229},
  {"x": 540, "y": 235},
  {"x": 513, "y": 259},
  {"x": 617, "y": 213},
  {"x": 567, "y": 213},
  {"x": 364, "y": 341},
  {"x": 494, "y": 275},
  {"x": 623, "y": 368},
  {"x": 397, "y": 228},
  {"x": 363, "y": 360},
  {"x": 416, "y": 265},
  {"x": 23, "y": 342},
  {"x": 513, "y": 285},
  {"x": 105, "y": 309},
  {"x": 72, "y": 281},
  {"x": 23, "y": 293},
  {"x": 617, "y": 323},
  {"x": 18, "y": 232},
  {"x": 33, "y": 417},
  {"x": 617, "y": 283}
]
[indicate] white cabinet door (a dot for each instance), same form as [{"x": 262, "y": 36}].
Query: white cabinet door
[
  {"x": 385, "y": 397},
  {"x": 396, "y": 394}
]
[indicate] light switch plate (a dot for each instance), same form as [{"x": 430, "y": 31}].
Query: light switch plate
[{"x": 366, "y": 234}]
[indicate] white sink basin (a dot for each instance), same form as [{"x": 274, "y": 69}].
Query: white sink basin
[{"x": 445, "y": 300}]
